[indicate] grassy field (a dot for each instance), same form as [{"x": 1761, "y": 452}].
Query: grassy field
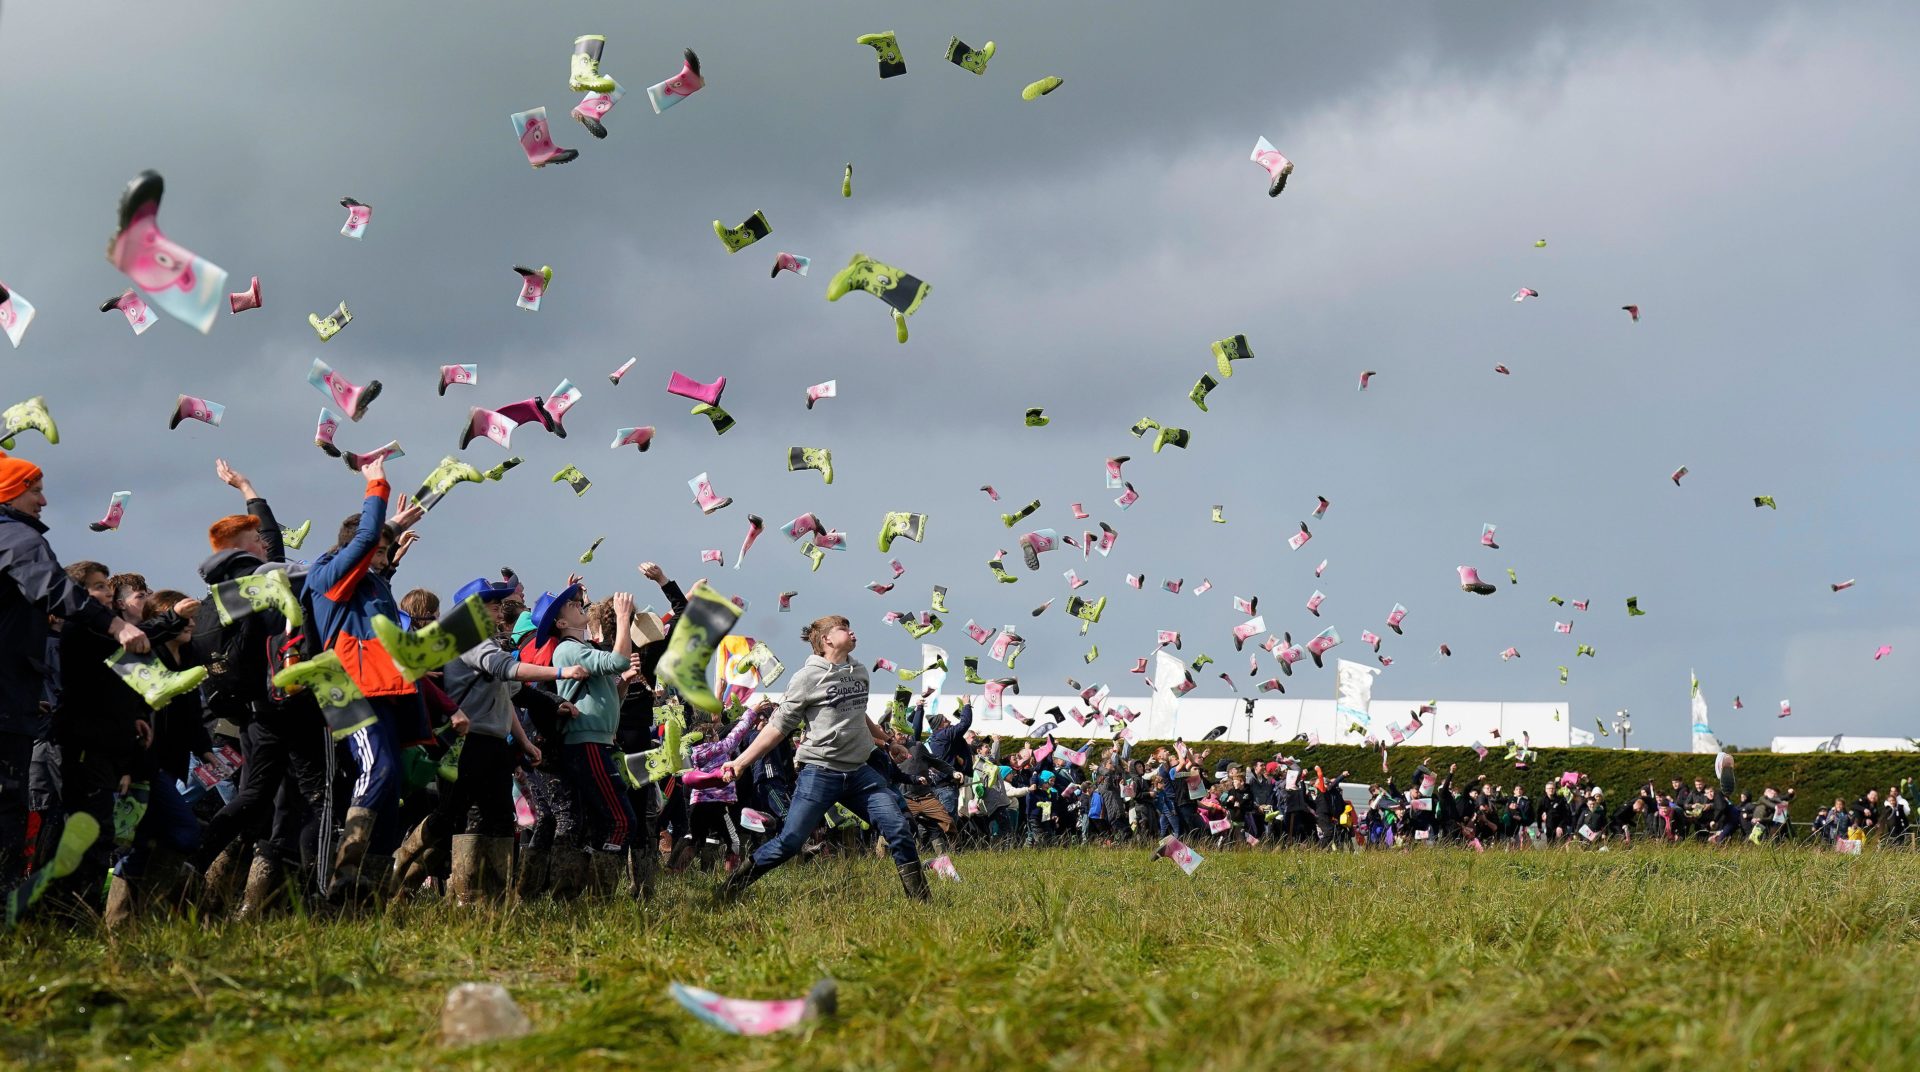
[{"x": 1083, "y": 959}]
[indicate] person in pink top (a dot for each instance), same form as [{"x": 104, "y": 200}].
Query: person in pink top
[{"x": 715, "y": 809}]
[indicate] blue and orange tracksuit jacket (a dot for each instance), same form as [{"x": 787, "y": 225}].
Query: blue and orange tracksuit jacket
[{"x": 346, "y": 596}]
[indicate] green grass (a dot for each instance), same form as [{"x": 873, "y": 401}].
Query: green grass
[{"x": 1085, "y": 959}]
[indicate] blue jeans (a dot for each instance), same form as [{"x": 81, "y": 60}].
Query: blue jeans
[
  {"x": 863, "y": 790},
  {"x": 949, "y": 798}
]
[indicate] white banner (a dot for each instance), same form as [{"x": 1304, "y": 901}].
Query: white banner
[{"x": 1354, "y": 693}]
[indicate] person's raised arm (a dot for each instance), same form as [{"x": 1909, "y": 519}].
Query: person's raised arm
[
  {"x": 256, "y": 507},
  {"x": 676, "y": 599},
  {"x": 623, "y": 629}
]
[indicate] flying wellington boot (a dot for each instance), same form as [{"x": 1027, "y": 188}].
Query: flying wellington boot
[
  {"x": 585, "y": 76},
  {"x": 79, "y": 834},
  {"x": 1277, "y": 166},
  {"x": 722, "y": 420},
  {"x": 968, "y": 58},
  {"x": 672, "y": 91},
  {"x": 425, "y": 650},
  {"x": 536, "y": 138},
  {"x": 443, "y": 477},
  {"x": 891, "y": 285},
  {"x": 738, "y": 238},
  {"x": 999, "y": 569},
  {"x": 592, "y": 110},
  {"x": 820, "y": 458},
  {"x": 887, "y": 49},
  {"x": 1084, "y": 610},
  {"x": 687, "y": 387},
  {"x": 243, "y": 596},
  {"x": 156, "y": 684},
  {"x": 971, "y": 664},
  {"x": 31, "y": 415},
  {"x": 329, "y": 326},
  {"x": 901, "y": 524},
  {"x": 708, "y": 619},
  {"x": 1010, "y": 520}
]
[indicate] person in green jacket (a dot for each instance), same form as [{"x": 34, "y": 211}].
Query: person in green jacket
[{"x": 592, "y": 768}]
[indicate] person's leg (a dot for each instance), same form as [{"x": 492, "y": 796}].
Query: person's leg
[
  {"x": 89, "y": 778},
  {"x": 43, "y": 803},
  {"x": 372, "y": 819},
  {"x": 265, "y": 767},
  {"x": 816, "y": 790},
  {"x": 869, "y": 796},
  {"x": 16, "y": 773}
]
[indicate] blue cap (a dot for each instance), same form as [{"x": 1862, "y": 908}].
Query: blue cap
[{"x": 488, "y": 591}]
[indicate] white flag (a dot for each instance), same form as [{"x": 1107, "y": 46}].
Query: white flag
[{"x": 1704, "y": 742}]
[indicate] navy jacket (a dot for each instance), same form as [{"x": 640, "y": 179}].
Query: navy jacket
[{"x": 33, "y": 586}]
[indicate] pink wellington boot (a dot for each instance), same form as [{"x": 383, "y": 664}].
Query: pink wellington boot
[
  {"x": 139, "y": 316},
  {"x": 1277, "y": 167},
  {"x": 323, "y": 432},
  {"x": 1313, "y": 602},
  {"x": 529, "y": 411},
  {"x": 666, "y": 94},
  {"x": 490, "y": 423},
  {"x": 452, "y": 374},
  {"x": 1470, "y": 582},
  {"x": 1247, "y": 630},
  {"x": 246, "y": 299},
  {"x": 640, "y": 438},
  {"x": 703, "y": 494},
  {"x": 189, "y": 408},
  {"x": 356, "y": 461},
  {"x": 536, "y": 139},
  {"x": 171, "y": 277},
  {"x": 592, "y": 110},
  {"x": 687, "y": 387},
  {"x": 345, "y": 393},
  {"x": 1327, "y": 640},
  {"x": 558, "y": 403},
  {"x": 1398, "y": 615}
]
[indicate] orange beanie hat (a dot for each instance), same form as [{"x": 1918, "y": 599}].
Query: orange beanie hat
[{"x": 15, "y": 475}]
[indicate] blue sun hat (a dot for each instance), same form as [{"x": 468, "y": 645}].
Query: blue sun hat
[{"x": 546, "y": 612}]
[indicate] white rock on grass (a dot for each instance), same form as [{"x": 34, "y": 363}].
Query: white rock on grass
[{"x": 481, "y": 1012}]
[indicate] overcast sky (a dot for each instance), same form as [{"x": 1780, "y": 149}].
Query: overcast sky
[{"x": 1742, "y": 172}]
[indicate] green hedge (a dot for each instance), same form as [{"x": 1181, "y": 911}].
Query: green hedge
[{"x": 1818, "y": 777}]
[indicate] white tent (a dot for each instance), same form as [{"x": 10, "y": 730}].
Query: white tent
[
  {"x": 1547, "y": 725},
  {"x": 1841, "y": 742}
]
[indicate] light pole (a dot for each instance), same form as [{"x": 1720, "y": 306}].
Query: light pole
[{"x": 1624, "y": 725}]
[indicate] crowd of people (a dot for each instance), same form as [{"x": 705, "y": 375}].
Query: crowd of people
[{"x": 306, "y": 733}]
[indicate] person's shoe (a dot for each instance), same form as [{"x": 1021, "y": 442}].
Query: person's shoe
[
  {"x": 913, "y": 879},
  {"x": 569, "y": 874},
  {"x": 681, "y": 857},
  {"x": 742, "y": 877},
  {"x": 585, "y": 76},
  {"x": 464, "y": 879},
  {"x": 496, "y": 867},
  {"x": 264, "y": 886},
  {"x": 121, "y": 906},
  {"x": 410, "y": 862},
  {"x": 531, "y": 873},
  {"x": 350, "y": 858},
  {"x": 604, "y": 871}
]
